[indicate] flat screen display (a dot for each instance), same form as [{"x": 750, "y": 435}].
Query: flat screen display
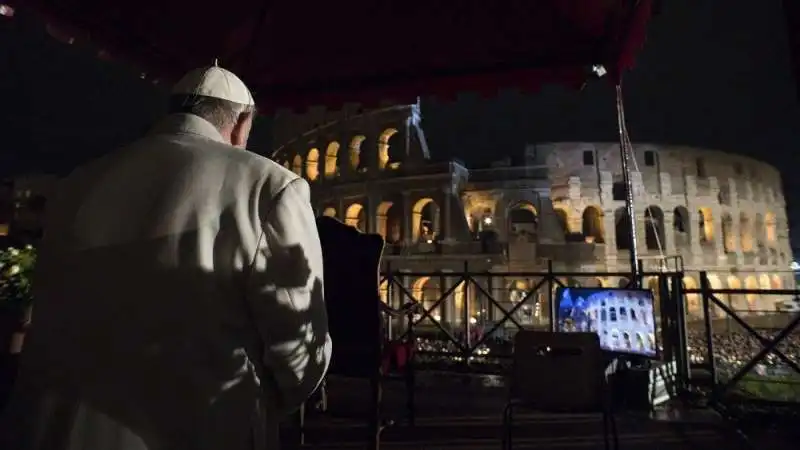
[{"x": 624, "y": 319}]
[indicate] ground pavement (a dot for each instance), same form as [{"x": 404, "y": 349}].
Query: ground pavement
[{"x": 464, "y": 413}]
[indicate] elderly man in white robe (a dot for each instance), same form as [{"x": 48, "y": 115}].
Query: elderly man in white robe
[{"x": 179, "y": 301}]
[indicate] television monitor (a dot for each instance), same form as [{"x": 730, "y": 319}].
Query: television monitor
[{"x": 624, "y": 319}]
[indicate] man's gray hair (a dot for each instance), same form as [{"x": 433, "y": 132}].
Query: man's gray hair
[{"x": 223, "y": 114}]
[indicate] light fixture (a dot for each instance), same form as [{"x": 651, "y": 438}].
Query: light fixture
[
  {"x": 599, "y": 70},
  {"x": 487, "y": 220}
]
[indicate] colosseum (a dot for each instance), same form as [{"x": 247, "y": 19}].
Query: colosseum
[{"x": 555, "y": 205}]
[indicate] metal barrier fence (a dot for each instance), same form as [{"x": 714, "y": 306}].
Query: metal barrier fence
[
  {"x": 750, "y": 355},
  {"x": 466, "y": 319}
]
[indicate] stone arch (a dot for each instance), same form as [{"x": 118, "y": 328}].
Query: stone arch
[
  {"x": 426, "y": 291},
  {"x": 750, "y": 283},
  {"x": 332, "y": 160},
  {"x": 592, "y": 225},
  {"x": 562, "y": 217},
  {"x": 530, "y": 310},
  {"x": 770, "y": 228},
  {"x": 654, "y": 228},
  {"x": 523, "y": 221},
  {"x": 330, "y": 211},
  {"x": 693, "y": 301},
  {"x": 764, "y": 282},
  {"x": 681, "y": 231},
  {"x": 389, "y": 221},
  {"x": 622, "y": 229},
  {"x": 776, "y": 282},
  {"x": 356, "y": 216},
  {"x": 384, "y": 158},
  {"x": 354, "y": 152},
  {"x": 312, "y": 164},
  {"x": 297, "y": 165},
  {"x": 424, "y": 220},
  {"x": 383, "y": 290},
  {"x": 715, "y": 284},
  {"x": 745, "y": 233},
  {"x": 705, "y": 225},
  {"x": 737, "y": 302},
  {"x": 728, "y": 237}
]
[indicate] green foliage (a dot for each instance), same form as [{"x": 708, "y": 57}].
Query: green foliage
[{"x": 16, "y": 275}]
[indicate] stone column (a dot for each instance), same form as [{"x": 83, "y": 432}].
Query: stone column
[
  {"x": 407, "y": 218},
  {"x": 371, "y": 213},
  {"x": 446, "y": 225}
]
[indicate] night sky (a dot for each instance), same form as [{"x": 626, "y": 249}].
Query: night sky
[{"x": 713, "y": 74}]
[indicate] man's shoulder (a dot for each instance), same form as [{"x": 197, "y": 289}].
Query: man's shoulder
[{"x": 267, "y": 173}]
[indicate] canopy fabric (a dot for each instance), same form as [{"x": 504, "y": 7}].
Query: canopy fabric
[{"x": 298, "y": 53}]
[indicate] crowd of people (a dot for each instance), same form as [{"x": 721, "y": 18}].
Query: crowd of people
[{"x": 735, "y": 349}]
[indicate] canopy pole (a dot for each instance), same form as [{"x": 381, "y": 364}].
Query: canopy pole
[{"x": 625, "y": 154}]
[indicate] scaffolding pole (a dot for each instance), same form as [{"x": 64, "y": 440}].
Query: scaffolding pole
[{"x": 625, "y": 155}]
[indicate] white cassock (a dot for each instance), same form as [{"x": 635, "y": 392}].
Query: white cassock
[{"x": 179, "y": 302}]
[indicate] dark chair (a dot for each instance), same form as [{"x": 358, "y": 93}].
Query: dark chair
[
  {"x": 559, "y": 373},
  {"x": 356, "y": 318}
]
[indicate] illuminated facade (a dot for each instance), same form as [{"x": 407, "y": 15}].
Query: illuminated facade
[{"x": 561, "y": 203}]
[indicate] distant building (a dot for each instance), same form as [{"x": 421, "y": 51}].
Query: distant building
[{"x": 560, "y": 203}]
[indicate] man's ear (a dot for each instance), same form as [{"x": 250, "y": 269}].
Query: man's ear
[{"x": 241, "y": 130}]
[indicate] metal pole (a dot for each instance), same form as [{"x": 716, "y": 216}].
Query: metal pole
[{"x": 624, "y": 152}]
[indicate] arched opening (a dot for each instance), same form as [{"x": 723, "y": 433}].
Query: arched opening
[
  {"x": 355, "y": 216},
  {"x": 329, "y": 212},
  {"x": 427, "y": 292},
  {"x": 592, "y": 225},
  {"x": 705, "y": 225},
  {"x": 728, "y": 237},
  {"x": 745, "y": 233},
  {"x": 776, "y": 282},
  {"x": 562, "y": 217},
  {"x": 424, "y": 220},
  {"x": 654, "y": 228},
  {"x": 750, "y": 283},
  {"x": 312, "y": 164},
  {"x": 530, "y": 311},
  {"x": 771, "y": 228},
  {"x": 622, "y": 229},
  {"x": 297, "y": 165},
  {"x": 355, "y": 152},
  {"x": 773, "y": 256},
  {"x": 715, "y": 284},
  {"x": 680, "y": 227},
  {"x": 390, "y": 222},
  {"x": 332, "y": 160},
  {"x": 693, "y": 301},
  {"x": 383, "y": 147},
  {"x": 737, "y": 302},
  {"x": 523, "y": 222},
  {"x": 383, "y": 290}
]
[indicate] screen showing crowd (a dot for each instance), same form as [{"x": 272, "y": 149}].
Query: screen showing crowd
[{"x": 624, "y": 319}]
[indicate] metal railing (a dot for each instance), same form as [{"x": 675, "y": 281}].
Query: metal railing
[
  {"x": 746, "y": 355},
  {"x": 466, "y": 319}
]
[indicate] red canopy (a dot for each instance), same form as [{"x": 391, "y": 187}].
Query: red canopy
[{"x": 296, "y": 53}]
